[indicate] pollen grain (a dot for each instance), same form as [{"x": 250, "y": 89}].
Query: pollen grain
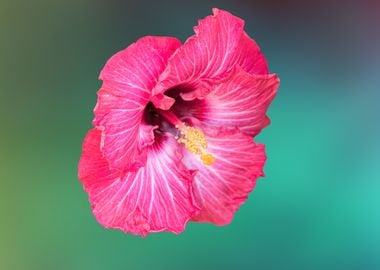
[
  {"x": 207, "y": 159},
  {"x": 195, "y": 141}
]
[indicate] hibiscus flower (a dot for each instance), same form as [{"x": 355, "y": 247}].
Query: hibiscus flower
[{"x": 173, "y": 127}]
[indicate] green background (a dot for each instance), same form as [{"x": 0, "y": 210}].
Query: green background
[{"x": 318, "y": 206}]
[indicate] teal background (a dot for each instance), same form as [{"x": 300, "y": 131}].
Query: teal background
[{"x": 318, "y": 206}]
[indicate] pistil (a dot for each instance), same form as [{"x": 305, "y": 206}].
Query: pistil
[
  {"x": 169, "y": 116},
  {"x": 195, "y": 141},
  {"x": 192, "y": 138}
]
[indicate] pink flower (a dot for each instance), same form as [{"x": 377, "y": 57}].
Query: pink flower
[{"x": 173, "y": 131}]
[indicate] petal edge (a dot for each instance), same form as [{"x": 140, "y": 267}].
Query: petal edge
[{"x": 158, "y": 197}]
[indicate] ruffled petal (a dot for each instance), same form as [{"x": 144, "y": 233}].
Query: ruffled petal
[
  {"x": 251, "y": 58},
  {"x": 219, "y": 44},
  {"x": 221, "y": 188},
  {"x": 128, "y": 79},
  {"x": 239, "y": 102},
  {"x": 158, "y": 197}
]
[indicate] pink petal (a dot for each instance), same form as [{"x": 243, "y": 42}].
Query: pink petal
[
  {"x": 239, "y": 102},
  {"x": 251, "y": 59},
  {"x": 158, "y": 197},
  {"x": 222, "y": 187},
  {"x": 128, "y": 79},
  {"x": 219, "y": 44}
]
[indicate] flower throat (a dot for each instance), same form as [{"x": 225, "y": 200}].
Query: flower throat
[{"x": 192, "y": 138}]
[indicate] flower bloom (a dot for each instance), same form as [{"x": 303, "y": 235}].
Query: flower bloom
[{"x": 173, "y": 127}]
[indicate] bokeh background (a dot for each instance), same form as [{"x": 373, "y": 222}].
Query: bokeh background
[{"x": 318, "y": 206}]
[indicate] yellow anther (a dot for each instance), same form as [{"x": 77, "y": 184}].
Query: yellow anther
[
  {"x": 195, "y": 141},
  {"x": 207, "y": 159}
]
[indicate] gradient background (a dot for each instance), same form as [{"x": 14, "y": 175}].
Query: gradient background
[{"x": 319, "y": 204}]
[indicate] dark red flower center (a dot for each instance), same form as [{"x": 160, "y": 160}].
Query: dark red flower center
[{"x": 189, "y": 136}]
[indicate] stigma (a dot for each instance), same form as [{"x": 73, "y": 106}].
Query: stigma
[
  {"x": 192, "y": 138},
  {"x": 195, "y": 142}
]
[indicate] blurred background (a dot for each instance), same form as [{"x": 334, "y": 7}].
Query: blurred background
[{"x": 318, "y": 206}]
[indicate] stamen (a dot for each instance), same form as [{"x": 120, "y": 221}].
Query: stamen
[
  {"x": 207, "y": 159},
  {"x": 192, "y": 138},
  {"x": 195, "y": 141}
]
